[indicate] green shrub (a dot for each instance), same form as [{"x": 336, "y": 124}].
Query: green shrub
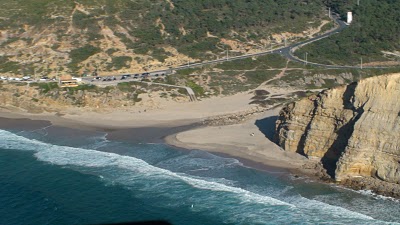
[
  {"x": 45, "y": 87},
  {"x": 375, "y": 28},
  {"x": 125, "y": 86},
  {"x": 197, "y": 89},
  {"x": 81, "y": 54},
  {"x": 120, "y": 62}
]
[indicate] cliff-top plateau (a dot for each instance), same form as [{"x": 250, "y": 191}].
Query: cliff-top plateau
[{"x": 353, "y": 131}]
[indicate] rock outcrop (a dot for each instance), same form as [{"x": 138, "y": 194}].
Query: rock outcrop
[{"x": 353, "y": 130}]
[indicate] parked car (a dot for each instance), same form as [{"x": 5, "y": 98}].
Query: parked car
[{"x": 44, "y": 78}]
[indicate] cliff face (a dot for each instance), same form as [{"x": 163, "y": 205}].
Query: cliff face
[{"x": 353, "y": 130}]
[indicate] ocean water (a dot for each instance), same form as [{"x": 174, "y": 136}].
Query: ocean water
[{"x": 49, "y": 176}]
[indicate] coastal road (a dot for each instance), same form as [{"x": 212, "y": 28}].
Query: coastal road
[
  {"x": 287, "y": 52},
  {"x": 284, "y": 51}
]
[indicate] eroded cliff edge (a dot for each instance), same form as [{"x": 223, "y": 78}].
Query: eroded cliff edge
[{"x": 353, "y": 130}]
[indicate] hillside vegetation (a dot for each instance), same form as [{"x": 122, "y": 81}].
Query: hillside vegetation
[
  {"x": 58, "y": 36},
  {"x": 375, "y": 28}
]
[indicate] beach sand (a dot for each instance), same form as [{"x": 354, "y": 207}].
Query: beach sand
[
  {"x": 168, "y": 114},
  {"x": 179, "y": 123},
  {"x": 251, "y": 140}
]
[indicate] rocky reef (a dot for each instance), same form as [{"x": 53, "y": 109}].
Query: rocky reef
[{"x": 353, "y": 131}]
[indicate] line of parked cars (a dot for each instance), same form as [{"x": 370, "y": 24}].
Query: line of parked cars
[
  {"x": 26, "y": 78},
  {"x": 126, "y": 76}
]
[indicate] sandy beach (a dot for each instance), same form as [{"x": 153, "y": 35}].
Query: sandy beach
[
  {"x": 166, "y": 114},
  {"x": 250, "y": 140},
  {"x": 180, "y": 125}
]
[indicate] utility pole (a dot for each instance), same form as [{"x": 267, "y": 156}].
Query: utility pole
[
  {"x": 285, "y": 41},
  {"x": 306, "y": 58},
  {"x": 361, "y": 66},
  {"x": 227, "y": 54},
  {"x": 358, "y": 2},
  {"x": 329, "y": 13}
]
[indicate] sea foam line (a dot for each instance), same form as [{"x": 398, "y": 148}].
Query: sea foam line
[{"x": 64, "y": 155}]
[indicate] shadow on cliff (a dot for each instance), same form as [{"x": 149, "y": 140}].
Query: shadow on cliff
[
  {"x": 331, "y": 157},
  {"x": 267, "y": 126}
]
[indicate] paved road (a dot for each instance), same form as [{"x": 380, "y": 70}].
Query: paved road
[
  {"x": 287, "y": 52},
  {"x": 284, "y": 51}
]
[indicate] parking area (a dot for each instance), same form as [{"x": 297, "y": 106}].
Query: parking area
[{"x": 127, "y": 77}]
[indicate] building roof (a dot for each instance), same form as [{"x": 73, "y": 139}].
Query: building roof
[{"x": 65, "y": 77}]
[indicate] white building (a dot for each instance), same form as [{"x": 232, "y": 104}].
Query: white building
[{"x": 349, "y": 17}]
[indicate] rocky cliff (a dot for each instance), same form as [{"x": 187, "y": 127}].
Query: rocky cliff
[{"x": 353, "y": 130}]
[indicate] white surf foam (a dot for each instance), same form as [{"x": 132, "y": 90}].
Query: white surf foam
[
  {"x": 376, "y": 196},
  {"x": 64, "y": 155}
]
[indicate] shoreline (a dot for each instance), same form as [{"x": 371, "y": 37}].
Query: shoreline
[
  {"x": 256, "y": 152},
  {"x": 183, "y": 125},
  {"x": 169, "y": 131},
  {"x": 150, "y": 134},
  {"x": 248, "y": 141}
]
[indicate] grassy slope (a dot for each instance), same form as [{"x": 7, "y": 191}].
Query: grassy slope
[
  {"x": 376, "y": 27},
  {"x": 152, "y": 25}
]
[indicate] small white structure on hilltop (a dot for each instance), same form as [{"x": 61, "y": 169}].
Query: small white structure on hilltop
[{"x": 349, "y": 17}]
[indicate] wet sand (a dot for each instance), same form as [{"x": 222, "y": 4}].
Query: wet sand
[
  {"x": 251, "y": 140},
  {"x": 179, "y": 124},
  {"x": 130, "y": 135}
]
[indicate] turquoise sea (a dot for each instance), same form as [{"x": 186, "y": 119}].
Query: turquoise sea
[{"x": 58, "y": 176}]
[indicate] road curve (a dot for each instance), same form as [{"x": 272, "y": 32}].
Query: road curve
[{"x": 287, "y": 52}]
